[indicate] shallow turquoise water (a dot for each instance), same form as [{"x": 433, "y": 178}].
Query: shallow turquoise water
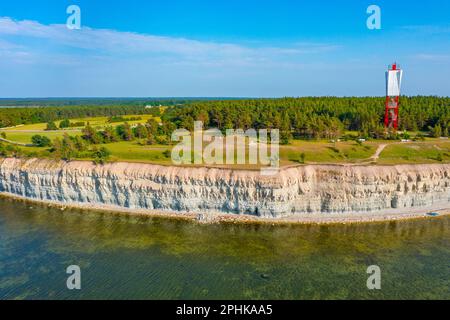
[{"x": 143, "y": 258}]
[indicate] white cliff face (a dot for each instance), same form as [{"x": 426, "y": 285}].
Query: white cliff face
[{"x": 300, "y": 190}]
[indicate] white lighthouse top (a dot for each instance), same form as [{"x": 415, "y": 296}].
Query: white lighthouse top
[{"x": 393, "y": 81}]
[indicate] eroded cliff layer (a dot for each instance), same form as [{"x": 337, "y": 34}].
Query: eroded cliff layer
[{"x": 293, "y": 191}]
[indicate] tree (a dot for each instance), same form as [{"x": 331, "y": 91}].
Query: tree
[
  {"x": 151, "y": 140},
  {"x": 436, "y": 131},
  {"x": 69, "y": 150},
  {"x": 64, "y": 124},
  {"x": 109, "y": 135},
  {"x": 167, "y": 128},
  {"x": 187, "y": 123},
  {"x": 152, "y": 126},
  {"x": 90, "y": 134},
  {"x": 57, "y": 148},
  {"x": 8, "y": 150},
  {"x": 51, "y": 126},
  {"x": 285, "y": 130},
  {"x": 3, "y": 152},
  {"x": 302, "y": 157},
  {"x": 64, "y": 149},
  {"x": 80, "y": 144},
  {"x": 101, "y": 155},
  {"x": 163, "y": 139},
  {"x": 124, "y": 132},
  {"x": 140, "y": 131},
  {"x": 40, "y": 141}
]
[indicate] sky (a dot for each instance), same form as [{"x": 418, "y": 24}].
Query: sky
[{"x": 218, "y": 48}]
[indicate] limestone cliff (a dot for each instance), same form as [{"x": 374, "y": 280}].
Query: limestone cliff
[{"x": 300, "y": 190}]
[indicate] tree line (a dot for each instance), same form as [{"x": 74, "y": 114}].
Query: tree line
[
  {"x": 309, "y": 117},
  {"x": 316, "y": 117},
  {"x": 152, "y": 132},
  {"x": 16, "y": 116}
]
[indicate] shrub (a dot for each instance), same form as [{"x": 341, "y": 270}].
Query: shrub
[
  {"x": 101, "y": 155},
  {"x": 302, "y": 157},
  {"x": 40, "y": 141},
  {"x": 51, "y": 126},
  {"x": 64, "y": 124}
]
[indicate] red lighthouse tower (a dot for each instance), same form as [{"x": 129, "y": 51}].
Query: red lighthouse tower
[{"x": 393, "y": 85}]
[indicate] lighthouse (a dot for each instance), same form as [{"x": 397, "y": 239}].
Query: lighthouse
[{"x": 393, "y": 85}]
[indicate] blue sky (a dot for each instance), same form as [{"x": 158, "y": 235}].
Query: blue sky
[{"x": 221, "y": 48}]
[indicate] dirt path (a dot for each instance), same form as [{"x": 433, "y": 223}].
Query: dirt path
[
  {"x": 17, "y": 143},
  {"x": 379, "y": 151}
]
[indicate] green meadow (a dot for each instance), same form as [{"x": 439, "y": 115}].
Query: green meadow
[{"x": 430, "y": 151}]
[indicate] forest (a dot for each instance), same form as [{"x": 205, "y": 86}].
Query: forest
[
  {"x": 15, "y": 116},
  {"x": 309, "y": 117},
  {"x": 316, "y": 117}
]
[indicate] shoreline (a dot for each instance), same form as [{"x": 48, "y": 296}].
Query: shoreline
[{"x": 217, "y": 217}]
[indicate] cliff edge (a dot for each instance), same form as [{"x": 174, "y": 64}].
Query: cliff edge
[{"x": 302, "y": 190}]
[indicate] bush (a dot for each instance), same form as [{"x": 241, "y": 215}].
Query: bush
[
  {"x": 64, "y": 124},
  {"x": 40, "y": 141},
  {"x": 51, "y": 126},
  {"x": 406, "y": 135},
  {"x": 164, "y": 140},
  {"x": 302, "y": 157},
  {"x": 77, "y": 124},
  {"x": 9, "y": 150},
  {"x": 436, "y": 131},
  {"x": 101, "y": 156}
]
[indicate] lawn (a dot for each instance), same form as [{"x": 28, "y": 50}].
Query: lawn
[
  {"x": 133, "y": 151},
  {"x": 315, "y": 152},
  {"x": 328, "y": 152},
  {"x": 430, "y": 151},
  {"x": 25, "y": 136}
]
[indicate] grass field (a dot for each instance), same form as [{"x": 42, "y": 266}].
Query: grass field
[
  {"x": 431, "y": 151},
  {"x": 316, "y": 151},
  {"x": 324, "y": 151},
  {"x": 25, "y": 136},
  {"x": 132, "y": 151}
]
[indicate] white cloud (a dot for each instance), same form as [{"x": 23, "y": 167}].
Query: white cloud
[
  {"x": 433, "y": 57},
  {"x": 119, "y": 43}
]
